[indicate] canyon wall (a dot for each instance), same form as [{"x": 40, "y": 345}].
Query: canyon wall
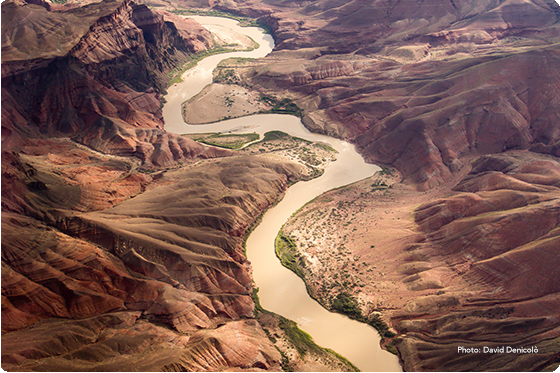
[
  {"x": 471, "y": 264},
  {"x": 108, "y": 261},
  {"x": 122, "y": 244},
  {"x": 418, "y": 86},
  {"x": 103, "y": 91},
  {"x": 116, "y": 254},
  {"x": 461, "y": 101}
]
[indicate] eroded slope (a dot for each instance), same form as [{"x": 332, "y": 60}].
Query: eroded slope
[
  {"x": 420, "y": 86},
  {"x": 122, "y": 243},
  {"x": 475, "y": 266}
]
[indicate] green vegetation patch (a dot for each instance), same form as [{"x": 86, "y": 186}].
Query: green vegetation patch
[
  {"x": 346, "y": 304},
  {"x": 255, "y": 296},
  {"x": 386, "y": 171},
  {"x": 226, "y": 76},
  {"x": 279, "y": 135},
  {"x": 283, "y": 106},
  {"x": 288, "y": 254},
  {"x": 227, "y": 140},
  {"x": 353, "y": 368},
  {"x": 234, "y": 61},
  {"x": 326, "y": 147},
  {"x": 379, "y": 185},
  {"x": 380, "y": 326},
  {"x": 226, "y": 72},
  {"x": 276, "y": 135},
  {"x": 175, "y": 75},
  {"x": 304, "y": 343},
  {"x": 392, "y": 349},
  {"x": 300, "y": 339}
]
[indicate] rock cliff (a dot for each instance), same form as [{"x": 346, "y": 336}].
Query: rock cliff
[
  {"x": 105, "y": 82},
  {"x": 418, "y": 85},
  {"x": 160, "y": 283}
]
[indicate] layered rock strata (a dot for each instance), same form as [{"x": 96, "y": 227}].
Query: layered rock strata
[
  {"x": 102, "y": 88},
  {"x": 415, "y": 88},
  {"x": 122, "y": 244},
  {"x": 172, "y": 256},
  {"x": 443, "y": 259},
  {"x": 475, "y": 266}
]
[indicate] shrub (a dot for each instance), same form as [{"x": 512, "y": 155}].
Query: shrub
[{"x": 346, "y": 304}]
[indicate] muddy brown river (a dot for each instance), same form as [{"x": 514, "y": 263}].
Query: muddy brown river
[{"x": 280, "y": 290}]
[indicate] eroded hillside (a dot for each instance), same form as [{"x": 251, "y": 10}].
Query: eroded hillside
[
  {"x": 126, "y": 241},
  {"x": 461, "y": 100},
  {"x": 472, "y": 263},
  {"x": 419, "y": 86},
  {"x": 122, "y": 244}
]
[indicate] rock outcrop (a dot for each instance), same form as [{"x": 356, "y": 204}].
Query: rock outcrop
[
  {"x": 442, "y": 258},
  {"x": 101, "y": 86},
  {"x": 498, "y": 233},
  {"x": 419, "y": 85},
  {"x": 473, "y": 267},
  {"x": 160, "y": 283}
]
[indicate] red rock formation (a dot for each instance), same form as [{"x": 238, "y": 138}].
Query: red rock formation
[
  {"x": 473, "y": 267},
  {"x": 82, "y": 132},
  {"x": 91, "y": 88},
  {"x": 173, "y": 253},
  {"x": 93, "y": 279},
  {"x": 499, "y": 235},
  {"x": 420, "y": 86},
  {"x": 427, "y": 87}
]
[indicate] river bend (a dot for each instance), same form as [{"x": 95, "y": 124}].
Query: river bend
[{"x": 280, "y": 290}]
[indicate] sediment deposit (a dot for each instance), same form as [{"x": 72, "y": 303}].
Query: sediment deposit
[{"x": 469, "y": 264}]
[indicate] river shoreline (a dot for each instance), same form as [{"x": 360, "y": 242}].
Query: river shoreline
[{"x": 280, "y": 290}]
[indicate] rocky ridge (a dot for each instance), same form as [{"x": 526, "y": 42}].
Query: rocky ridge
[
  {"x": 122, "y": 244},
  {"x": 400, "y": 80},
  {"x": 104, "y": 91}
]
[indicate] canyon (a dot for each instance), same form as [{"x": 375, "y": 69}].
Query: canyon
[
  {"x": 447, "y": 245},
  {"x": 123, "y": 243}
]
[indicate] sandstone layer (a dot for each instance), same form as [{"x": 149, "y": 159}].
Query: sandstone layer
[
  {"x": 122, "y": 244},
  {"x": 104, "y": 89},
  {"x": 172, "y": 256}
]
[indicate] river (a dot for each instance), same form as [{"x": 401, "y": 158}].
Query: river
[{"x": 280, "y": 290}]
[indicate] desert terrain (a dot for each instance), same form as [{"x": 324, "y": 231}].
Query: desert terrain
[
  {"x": 122, "y": 243},
  {"x": 463, "y": 269},
  {"x": 447, "y": 246},
  {"x": 412, "y": 250}
]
